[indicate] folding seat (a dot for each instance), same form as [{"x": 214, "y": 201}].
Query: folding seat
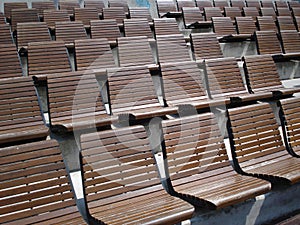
[
  {"x": 285, "y": 23},
  {"x": 53, "y": 16},
  {"x": 267, "y": 4},
  {"x": 85, "y": 15},
  {"x": 165, "y": 26},
  {"x": 253, "y": 3},
  {"x": 245, "y": 25},
  {"x": 266, "y": 23},
  {"x": 23, "y": 16},
  {"x": 280, "y": 4},
  {"x": 185, "y": 3},
  {"x": 137, "y": 27},
  {"x": 41, "y": 6},
  {"x": 283, "y": 11},
  {"x": 98, "y": 4},
  {"x": 105, "y": 29},
  {"x": 69, "y": 5},
  {"x": 210, "y": 12},
  {"x": 139, "y": 13},
  {"x": 238, "y": 3},
  {"x": 267, "y": 42},
  {"x": 204, "y": 3},
  {"x": 268, "y": 12},
  {"x": 251, "y": 11},
  {"x": 193, "y": 18},
  {"x": 290, "y": 40},
  {"x": 8, "y": 6},
  {"x": 114, "y": 13},
  {"x": 223, "y": 26},
  {"x": 221, "y": 3},
  {"x": 119, "y": 3},
  {"x": 167, "y": 8},
  {"x": 10, "y": 65},
  {"x": 5, "y": 34},
  {"x": 232, "y": 12}
]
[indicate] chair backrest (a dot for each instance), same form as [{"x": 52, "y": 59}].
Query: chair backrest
[
  {"x": 116, "y": 13},
  {"x": 251, "y": 11},
  {"x": 296, "y": 11},
  {"x": 23, "y": 16},
  {"x": 70, "y": 31},
  {"x": 204, "y": 3},
  {"x": 10, "y": 65},
  {"x": 130, "y": 89},
  {"x": 290, "y": 41},
  {"x": 105, "y": 29},
  {"x": 232, "y": 12},
  {"x": 32, "y": 32},
  {"x": 223, "y": 26},
  {"x": 253, "y": 3},
  {"x": 41, "y": 6},
  {"x": 266, "y": 23},
  {"x": 166, "y": 26},
  {"x": 98, "y": 4},
  {"x": 285, "y": 23},
  {"x": 85, "y": 15},
  {"x": 267, "y": 42},
  {"x": 137, "y": 27},
  {"x": 119, "y": 3},
  {"x": 185, "y": 3},
  {"x": 206, "y": 46},
  {"x": 210, "y": 12},
  {"x": 139, "y": 13},
  {"x": 265, "y": 11},
  {"x": 69, "y": 5},
  {"x": 245, "y": 25},
  {"x": 293, "y": 4},
  {"x": 8, "y": 6},
  {"x": 238, "y": 3},
  {"x": 182, "y": 83},
  {"x": 135, "y": 51},
  {"x": 53, "y": 16},
  {"x": 281, "y": 4},
  {"x": 5, "y": 34},
  {"x": 172, "y": 48},
  {"x": 165, "y": 6},
  {"x": 261, "y": 72},
  {"x": 47, "y": 58},
  {"x": 93, "y": 54},
  {"x": 191, "y": 15},
  {"x": 297, "y": 19},
  {"x": 221, "y": 3},
  {"x": 35, "y": 185},
  {"x": 267, "y": 4},
  {"x": 21, "y": 118},
  {"x": 283, "y": 11}
]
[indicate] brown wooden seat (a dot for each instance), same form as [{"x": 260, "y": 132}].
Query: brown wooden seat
[
  {"x": 205, "y": 46},
  {"x": 266, "y": 23},
  {"x": 257, "y": 145},
  {"x": 283, "y": 11},
  {"x": 20, "y": 117},
  {"x": 185, "y": 3},
  {"x": 232, "y": 12},
  {"x": 225, "y": 81},
  {"x": 93, "y": 54},
  {"x": 85, "y": 15},
  {"x": 8, "y": 6},
  {"x": 35, "y": 187},
  {"x": 5, "y": 34},
  {"x": 43, "y": 5},
  {"x": 56, "y": 60},
  {"x": 23, "y": 16},
  {"x": 139, "y": 13},
  {"x": 281, "y": 4},
  {"x": 238, "y": 3},
  {"x": 182, "y": 85},
  {"x": 137, "y": 27},
  {"x": 165, "y": 26},
  {"x": 296, "y": 11},
  {"x": 172, "y": 48},
  {"x": 267, "y": 42},
  {"x": 53, "y": 16},
  {"x": 114, "y": 13},
  {"x": 262, "y": 75},
  {"x": 293, "y": 4},
  {"x": 245, "y": 25},
  {"x": 193, "y": 18},
  {"x": 74, "y": 102},
  {"x": 253, "y": 3},
  {"x": 203, "y": 3},
  {"x": 119, "y": 3},
  {"x": 119, "y": 171},
  {"x": 69, "y": 5},
  {"x": 221, "y": 3},
  {"x": 267, "y": 4},
  {"x": 70, "y": 31},
  {"x": 98, "y": 4},
  {"x": 32, "y": 32},
  {"x": 210, "y": 12},
  {"x": 2, "y": 18},
  {"x": 285, "y": 23},
  {"x": 132, "y": 92},
  {"x": 167, "y": 8},
  {"x": 10, "y": 65},
  {"x": 290, "y": 42},
  {"x": 290, "y": 124},
  {"x": 199, "y": 169},
  {"x": 297, "y": 19},
  {"x": 251, "y": 11},
  {"x": 223, "y": 26},
  {"x": 135, "y": 51},
  {"x": 265, "y": 11}
]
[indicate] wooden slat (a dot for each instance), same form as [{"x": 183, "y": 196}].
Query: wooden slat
[
  {"x": 10, "y": 65},
  {"x": 52, "y": 16},
  {"x": 137, "y": 27},
  {"x": 105, "y": 29},
  {"x": 85, "y": 15},
  {"x": 23, "y": 16},
  {"x": 70, "y": 31}
]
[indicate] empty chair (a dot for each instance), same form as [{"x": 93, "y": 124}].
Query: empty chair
[
  {"x": 206, "y": 46},
  {"x": 166, "y": 26},
  {"x": 119, "y": 171},
  {"x": 85, "y": 15},
  {"x": 210, "y": 12},
  {"x": 69, "y": 5},
  {"x": 262, "y": 75},
  {"x": 8, "y": 6},
  {"x": 35, "y": 186},
  {"x": 297, "y": 19},
  {"x": 167, "y": 8},
  {"x": 182, "y": 85},
  {"x": 251, "y": 11},
  {"x": 10, "y": 65},
  {"x": 285, "y": 23},
  {"x": 281, "y": 4},
  {"x": 225, "y": 81},
  {"x": 268, "y": 12},
  {"x": 238, "y": 3},
  {"x": 116, "y": 13},
  {"x": 105, "y": 29},
  {"x": 137, "y": 27},
  {"x": 32, "y": 32},
  {"x": 21, "y": 119},
  {"x": 68, "y": 32},
  {"x": 204, "y": 3},
  {"x": 290, "y": 41},
  {"x": 199, "y": 169},
  {"x": 223, "y": 26},
  {"x": 93, "y": 54},
  {"x": 41, "y": 6},
  {"x": 5, "y": 34},
  {"x": 290, "y": 124},
  {"x": 132, "y": 92},
  {"x": 232, "y": 12},
  {"x": 53, "y": 16},
  {"x": 193, "y": 18},
  {"x": 267, "y": 4},
  {"x": 257, "y": 145},
  {"x": 185, "y": 3},
  {"x": 98, "y": 4},
  {"x": 135, "y": 51},
  {"x": 293, "y": 4},
  {"x": 253, "y": 3},
  {"x": 296, "y": 11},
  {"x": 172, "y": 48},
  {"x": 56, "y": 60},
  {"x": 266, "y": 23},
  {"x": 267, "y": 42},
  {"x": 221, "y": 3},
  {"x": 2, "y": 18},
  {"x": 283, "y": 11},
  {"x": 23, "y": 16},
  {"x": 140, "y": 13},
  {"x": 75, "y": 103},
  {"x": 245, "y": 25},
  {"x": 119, "y": 3}
]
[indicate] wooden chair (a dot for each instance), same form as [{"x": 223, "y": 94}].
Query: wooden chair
[
  {"x": 167, "y": 8},
  {"x": 137, "y": 27},
  {"x": 114, "y": 13},
  {"x": 35, "y": 186},
  {"x": 281, "y": 4},
  {"x": 283, "y": 11},
  {"x": 93, "y": 54},
  {"x": 238, "y": 3},
  {"x": 297, "y": 19},
  {"x": 285, "y": 23},
  {"x": 205, "y": 46},
  {"x": 135, "y": 51},
  {"x": 296, "y": 11},
  {"x": 85, "y": 15},
  {"x": 210, "y": 12},
  {"x": 225, "y": 81},
  {"x": 223, "y": 26},
  {"x": 257, "y": 147},
  {"x": 74, "y": 102},
  {"x": 199, "y": 169},
  {"x": 232, "y": 12},
  {"x": 267, "y": 4},
  {"x": 10, "y": 65},
  {"x": 266, "y": 23},
  {"x": 2, "y": 18},
  {"x": 119, "y": 170},
  {"x": 31, "y": 32},
  {"x": 185, "y": 3},
  {"x": 182, "y": 85},
  {"x": 172, "y": 48},
  {"x": 265, "y": 11},
  {"x": 56, "y": 60},
  {"x": 262, "y": 75},
  {"x": 41, "y": 6},
  {"x": 5, "y": 34},
  {"x": 193, "y": 18},
  {"x": 289, "y": 115},
  {"x": 290, "y": 42},
  {"x": 8, "y": 6},
  {"x": 53, "y": 16},
  {"x": 69, "y": 31},
  {"x": 221, "y": 3},
  {"x": 23, "y": 16},
  {"x": 267, "y": 42},
  {"x": 140, "y": 13},
  {"x": 132, "y": 92},
  {"x": 245, "y": 25},
  {"x": 293, "y": 4},
  {"x": 119, "y": 3},
  {"x": 69, "y": 5},
  {"x": 105, "y": 29},
  {"x": 201, "y": 4},
  {"x": 165, "y": 26},
  {"x": 21, "y": 119},
  {"x": 253, "y": 3},
  {"x": 251, "y": 11},
  {"x": 98, "y": 4}
]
